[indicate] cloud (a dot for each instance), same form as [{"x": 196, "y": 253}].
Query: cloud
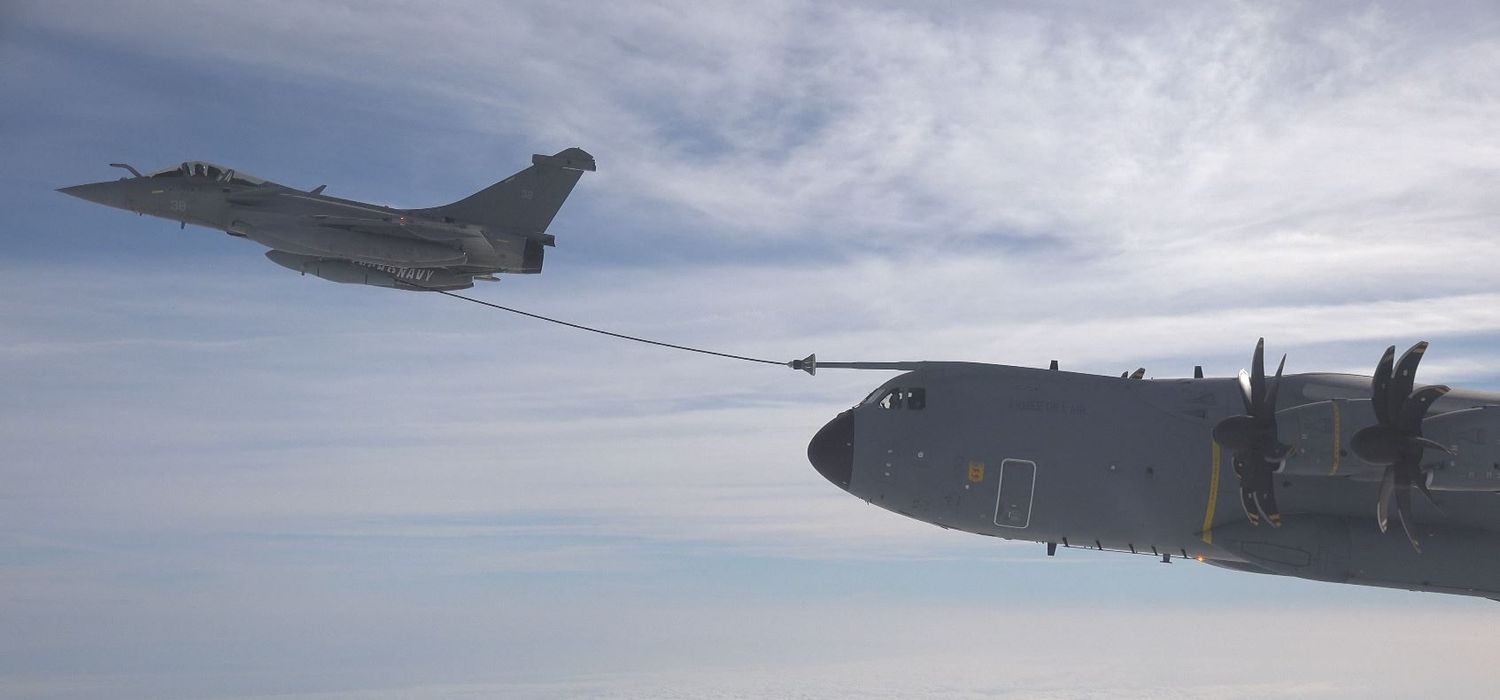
[
  {"x": 982, "y": 651},
  {"x": 256, "y": 483},
  {"x": 978, "y": 174},
  {"x": 862, "y": 122}
]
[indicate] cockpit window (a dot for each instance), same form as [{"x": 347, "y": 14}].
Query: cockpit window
[
  {"x": 896, "y": 398},
  {"x": 209, "y": 171}
]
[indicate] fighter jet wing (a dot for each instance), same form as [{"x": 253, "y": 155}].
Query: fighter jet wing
[
  {"x": 399, "y": 226},
  {"x": 310, "y": 209},
  {"x": 296, "y": 209}
]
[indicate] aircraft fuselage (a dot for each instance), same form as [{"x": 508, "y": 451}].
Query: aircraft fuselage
[{"x": 1130, "y": 465}]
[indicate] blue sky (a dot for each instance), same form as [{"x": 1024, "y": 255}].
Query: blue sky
[{"x": 218, "y": 479}]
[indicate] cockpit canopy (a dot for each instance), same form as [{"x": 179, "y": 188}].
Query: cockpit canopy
[
  {"x": 217, "y": 173},
  {"x": 891, "y": 397}
]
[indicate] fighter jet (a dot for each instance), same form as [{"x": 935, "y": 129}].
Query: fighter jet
[
  {"x": 1296, "y": 475},
  {"x": 500, "y": 229}
]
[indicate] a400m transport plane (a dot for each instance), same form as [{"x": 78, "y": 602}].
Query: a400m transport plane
[
  {"x": 500, "y": 229},
  {"x": 1294, "y": 476}
]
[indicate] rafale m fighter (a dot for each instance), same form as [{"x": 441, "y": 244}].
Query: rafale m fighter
[
  {"x": 500, "y": 229},
  {"x": 1299, "y": 475}
]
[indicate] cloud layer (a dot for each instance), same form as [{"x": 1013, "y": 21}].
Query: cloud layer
[{"x": 223, "y": 480}]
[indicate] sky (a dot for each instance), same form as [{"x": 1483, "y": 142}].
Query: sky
[{"x": 221, "y": 480}]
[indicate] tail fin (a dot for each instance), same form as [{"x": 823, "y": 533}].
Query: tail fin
[{"x": 523, "y": 204}]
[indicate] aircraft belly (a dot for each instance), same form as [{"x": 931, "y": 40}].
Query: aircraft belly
[{"x": 1353, "y": 550}]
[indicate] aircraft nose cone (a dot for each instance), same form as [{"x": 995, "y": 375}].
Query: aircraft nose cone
[
  {"x": 74, "y": 191},
  {"x": 93, "y": 192},
  {"x": 832, "y": 450}
]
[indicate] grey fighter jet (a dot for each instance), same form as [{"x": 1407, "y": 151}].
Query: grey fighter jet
[
  {"x": 500, "y": 229},
  {"x": 1299, "y": 475}
]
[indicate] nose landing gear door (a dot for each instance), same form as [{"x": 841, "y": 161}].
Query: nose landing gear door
[{"x": 1013, "y": 501}]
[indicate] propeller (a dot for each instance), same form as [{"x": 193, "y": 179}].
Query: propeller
[
  {"x": 1251, "y": 438},
  {"x": 1396, "y": 438}
]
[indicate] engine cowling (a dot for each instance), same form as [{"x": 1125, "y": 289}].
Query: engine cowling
[
  {"x": 1320, "y": 433},
  {"x": 1472, "y": 434}
]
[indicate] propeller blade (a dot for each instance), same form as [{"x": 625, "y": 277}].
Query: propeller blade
[
  {"x": 1403, "y": 512},
  {"x": 1252, "y": 509},
  {"x": 1258, "y": 483},
  {"x": 1265, "y": 500},
  {"x": 1431, "y": 444},
  {"x": 1422, "y": 486},
  {"x": 1266, "y": 417},
  {"x": 1402, "y": 380},
  {"x": 1258, "y": 378},
  {"x": 1383, "y": 503},
  {"x": 1397, "y": 435},
  {"x": 1275, "y": 386},
  {"x": 1252, "y": 438},
  {"x": 1414, "y": 409},
  {"x": 1380, "y": 385},
  {"x": 1247, "y": 492}
]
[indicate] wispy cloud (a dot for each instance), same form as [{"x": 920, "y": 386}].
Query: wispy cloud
[
  {"x": 859, "y": 122},
  {"x": 374, "y": 491}
]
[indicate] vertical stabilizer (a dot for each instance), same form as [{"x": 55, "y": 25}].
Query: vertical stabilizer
[{"x": 525, "y": 203}]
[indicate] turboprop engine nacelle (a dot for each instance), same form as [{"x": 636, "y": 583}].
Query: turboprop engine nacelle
[
  {"x": 1474, "y": 436},
  {"x": 1320, "y": 434},
  {"x": 347, "y": 272}
]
